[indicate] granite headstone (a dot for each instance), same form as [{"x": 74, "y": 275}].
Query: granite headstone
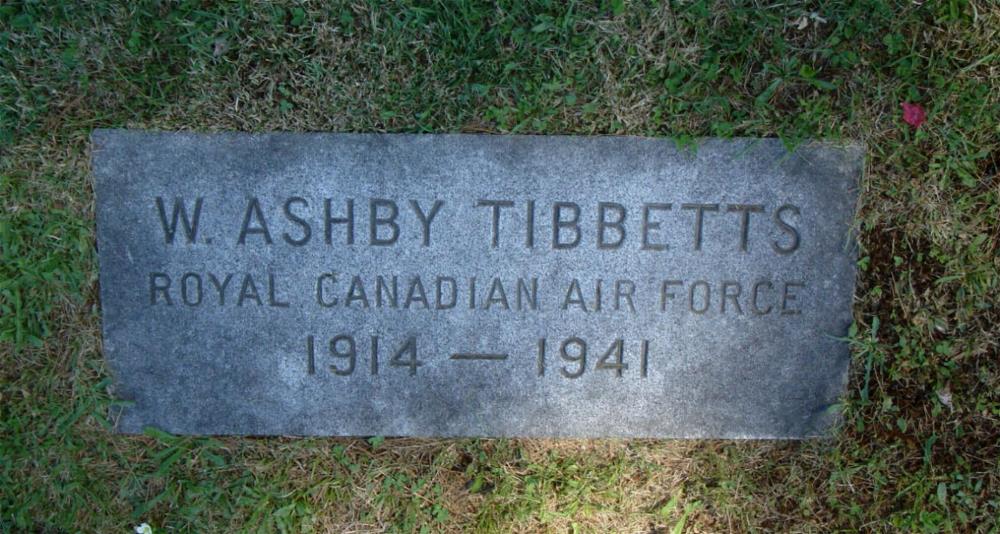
[{"x": 474, "y": 285}]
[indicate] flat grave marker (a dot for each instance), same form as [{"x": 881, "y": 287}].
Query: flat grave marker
[{"x": 472, "y": 285}]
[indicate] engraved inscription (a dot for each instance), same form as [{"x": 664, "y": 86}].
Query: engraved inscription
[
  {"x": 342, "y": 350},
  {"x": 605, "y": 225},
  {"x": 573, "y": 351}
]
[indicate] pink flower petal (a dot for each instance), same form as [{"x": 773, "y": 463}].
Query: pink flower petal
[{"x": 913, "y": 114}]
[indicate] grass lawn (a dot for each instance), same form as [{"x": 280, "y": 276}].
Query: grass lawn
[{"x": 920, "y": 442}]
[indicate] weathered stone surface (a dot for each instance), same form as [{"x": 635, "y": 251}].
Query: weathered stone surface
[{"x": 218, "y": 317}]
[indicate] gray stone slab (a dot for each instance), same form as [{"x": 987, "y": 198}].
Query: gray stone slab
[{"x": 474, "y": 285}]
